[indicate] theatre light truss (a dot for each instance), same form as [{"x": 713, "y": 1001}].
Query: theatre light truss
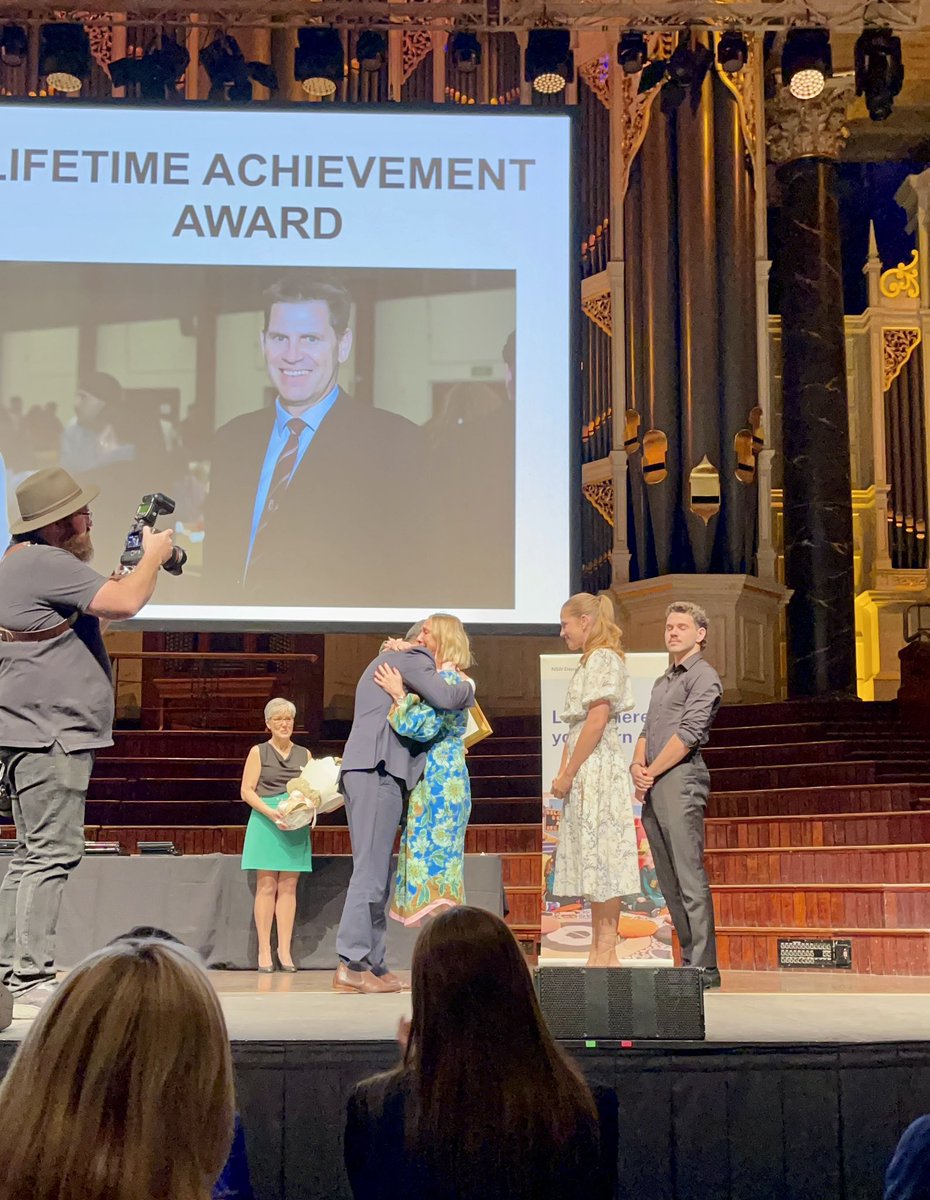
[{"x": 493, "y": 15}]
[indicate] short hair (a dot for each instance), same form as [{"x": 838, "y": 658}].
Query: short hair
[
  {"x": 124, "y": 1083},
  {"x": 451, "y": 639},
  {"x": 304, "y": 289},
  {"x": 101, "y": 385},
  {"x": 278, "y": 703},
  {"x": 694, "y": 611},
  {"x": 414, "y": 631}
]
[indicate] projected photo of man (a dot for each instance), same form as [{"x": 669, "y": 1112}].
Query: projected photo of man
[{"x": 300, "y": 493}]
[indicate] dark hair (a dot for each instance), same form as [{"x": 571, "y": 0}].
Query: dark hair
[
  {"x": 148, "y": 933},
  {"x": 492, "y": 1097},
  {"x": 101, "y": 385},
  {"x": 304, "y": 288}
]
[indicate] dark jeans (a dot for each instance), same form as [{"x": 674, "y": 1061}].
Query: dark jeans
[{"x": 48, "y": 810}]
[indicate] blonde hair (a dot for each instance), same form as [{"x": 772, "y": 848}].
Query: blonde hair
[
  {"x": 603, "y": 633},
  {"x": 123, "y": 1087},
  {"x": 451, "y": 639}
]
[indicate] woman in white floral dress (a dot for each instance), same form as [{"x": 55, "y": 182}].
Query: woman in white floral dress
[{"x": 597, "y": 857}]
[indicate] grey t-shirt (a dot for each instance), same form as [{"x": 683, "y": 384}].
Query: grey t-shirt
[{"x": 59, "y": 690}]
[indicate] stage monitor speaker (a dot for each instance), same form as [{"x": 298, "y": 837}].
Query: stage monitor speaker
[
  {"x": 622, "y": 1003},
  {"x": 6, "y": 1006}
]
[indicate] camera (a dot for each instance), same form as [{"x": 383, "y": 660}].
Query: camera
[{"x": 151, "y": 508}]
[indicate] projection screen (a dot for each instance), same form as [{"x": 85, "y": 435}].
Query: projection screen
[{"x": 339, "y": 340}]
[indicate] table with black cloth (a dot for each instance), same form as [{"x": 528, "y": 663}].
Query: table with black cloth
[{"x": 206, "y": 901}]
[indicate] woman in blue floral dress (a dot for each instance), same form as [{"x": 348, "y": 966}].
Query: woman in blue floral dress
[{"x": 432, "y": 844}]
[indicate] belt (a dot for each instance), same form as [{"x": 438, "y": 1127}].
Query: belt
[{"x": 37, "y": 635}]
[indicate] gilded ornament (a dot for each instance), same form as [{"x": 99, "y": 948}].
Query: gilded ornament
[
  {"x": 601, "y": 496},
  {"x": 902, "y": 280},
  {"x": 100, "y": 33},
  {"x": 597, "y": 309},
  {"x": 418, "y": 44},
  {"x": 897, "y": 347},
  {"x": 635, "y": 107},
  {"x": 596, "y": 74}
]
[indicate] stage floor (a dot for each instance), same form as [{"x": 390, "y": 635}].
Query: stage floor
[{"x": 752, "y": 1007}]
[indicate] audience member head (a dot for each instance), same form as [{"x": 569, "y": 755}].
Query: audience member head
[
  {"x": 445, "y": 636},
  {"x": 588, "y": 624},
  {"x": 123, "y": 1087},
  {"x": 490, "y": 1087},
  {"x": 96, "y": 393}
]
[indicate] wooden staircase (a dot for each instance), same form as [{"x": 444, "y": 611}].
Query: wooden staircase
[{"x": 818, "y": 823}]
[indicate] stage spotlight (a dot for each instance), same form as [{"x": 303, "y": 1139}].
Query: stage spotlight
[
  {"x": 879, "y": 71},
  {"x": 465, "y": 52},
  {"x": 371, "y": 50},
  {"x": 806, "y": 62},
  {"x": 319, "y": 61},
  {"x": 64, "y": 56},
  {"x": 549, "y": 63},
  {"x": 14, "y": 45},
  {"x": 732, "y": 52},
  {"x": 157, "y": 73},
  {"x": 632, "y": 53},
  {"x": 229, "y": 73}
]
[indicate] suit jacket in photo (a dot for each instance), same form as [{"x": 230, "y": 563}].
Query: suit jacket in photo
[
  {"x": 372, "y": 742},
  {"x": 331, "y": 540}
]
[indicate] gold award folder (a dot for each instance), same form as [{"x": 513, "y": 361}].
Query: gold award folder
[{"x": 478, "y": 727}]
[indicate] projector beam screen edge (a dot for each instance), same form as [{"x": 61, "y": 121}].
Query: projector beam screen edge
[{"x": 341, "y": 340}]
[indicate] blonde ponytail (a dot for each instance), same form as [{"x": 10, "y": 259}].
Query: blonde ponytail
[{"x": 603, "y": 632}]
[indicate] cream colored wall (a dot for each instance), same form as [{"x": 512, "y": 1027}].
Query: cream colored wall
[
  {"x": 437, "y": 339},
  {"x": 150, "y": 354},
  {"x": 40, "y": 365}
]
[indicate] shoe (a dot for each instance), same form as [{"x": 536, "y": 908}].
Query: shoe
[
  {"x": 266, "y": 970},
  {"x": 363, "y": 982},
  {"x": 710, "y": 978},
  {"x": 288, "y": 968},
  {"x": 391, "y": 978}
]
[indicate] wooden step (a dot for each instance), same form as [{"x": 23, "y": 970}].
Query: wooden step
[
  {"x": 836, "y": 829},
  {"x": 874, "y": 951},
  {"x": 833, "y": 750},
  {"x": 802, "y": 801},
  {"x": 165, "y": 789},
  {"x": 791, "y": 775},
  {"x": 820, "y": 864},
  {"x": 820, "y": 905}
]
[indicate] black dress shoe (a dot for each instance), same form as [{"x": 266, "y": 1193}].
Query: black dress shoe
[
  {"x": 291, "y": 970},
  {"x": 710, "y": 978},
  {"x": 266, "y": 970}
]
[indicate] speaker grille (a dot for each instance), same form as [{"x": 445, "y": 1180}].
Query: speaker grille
[{"x": 622, "y": 1003}]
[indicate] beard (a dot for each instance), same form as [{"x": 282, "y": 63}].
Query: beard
[{"x": 80, "y": 545}]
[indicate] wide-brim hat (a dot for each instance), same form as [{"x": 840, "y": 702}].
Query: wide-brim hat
[{"x": 47, "y": 496}]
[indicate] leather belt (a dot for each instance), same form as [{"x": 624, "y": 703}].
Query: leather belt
[{"x": 37, "y": 635}]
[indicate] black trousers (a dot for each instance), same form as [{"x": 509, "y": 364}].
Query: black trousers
[{"x": 673, "y": 818}]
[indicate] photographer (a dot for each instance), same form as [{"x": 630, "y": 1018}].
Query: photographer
[{"x": 56, "y": 705}]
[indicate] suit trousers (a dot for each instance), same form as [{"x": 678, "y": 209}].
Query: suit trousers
[
  {"x": 374, "y": 805},
  {"x": 50, "y": 787},
  {"x": 673, "y": 818}
]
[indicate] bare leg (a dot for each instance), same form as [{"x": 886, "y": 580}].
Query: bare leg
[
  {"x": 605, "y": 917},
  {"x": 284, "y": 911},
  {"x": 265, "y": 888}
]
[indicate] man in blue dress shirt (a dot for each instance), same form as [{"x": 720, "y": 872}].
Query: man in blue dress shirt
[{"x": 301, "y": 493}]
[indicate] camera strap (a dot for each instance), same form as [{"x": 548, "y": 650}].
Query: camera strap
[{"x": 34, "y": 635}]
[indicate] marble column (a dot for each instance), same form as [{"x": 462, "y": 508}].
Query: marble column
[{"x": 804, "y": 139}]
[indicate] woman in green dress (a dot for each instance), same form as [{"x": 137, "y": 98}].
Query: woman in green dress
[{"x": 277, "y": 854}]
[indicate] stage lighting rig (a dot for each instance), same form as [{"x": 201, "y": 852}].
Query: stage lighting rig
[
  {"x": 465, "y": 52},
  {"x": 14, "y": 45},
  {"x": 156, "y": 73},
  {"x": 64, "y": 56},
  {"x": 371, "y": 50},
  {"x": 683, "y": 73},
  {"x": 806, "y": 62},
  {"x": 319, "y": 61},
  {"x": 732, "y": 51},
  {"x": 632, "y": 52},
  {"x": 879, "y": 71},
  {"x": 549, "y": 63},
  {"x": 230, "y": 75}
]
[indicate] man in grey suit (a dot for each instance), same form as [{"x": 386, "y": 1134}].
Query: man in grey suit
[{"x": 379, "y": 769}]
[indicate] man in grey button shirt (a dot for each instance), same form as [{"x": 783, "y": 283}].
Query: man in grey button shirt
[{"x": 668, "y": 768}]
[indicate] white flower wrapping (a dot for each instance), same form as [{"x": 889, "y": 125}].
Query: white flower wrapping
[{"x": 314, "y": 791}]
